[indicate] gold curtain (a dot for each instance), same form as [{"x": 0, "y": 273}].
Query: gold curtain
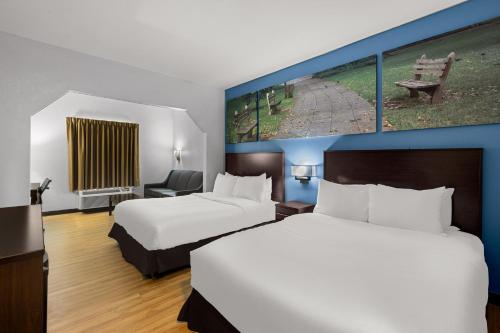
[{"x": 102, "y": 154}]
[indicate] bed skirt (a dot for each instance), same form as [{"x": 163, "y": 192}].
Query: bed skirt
[
  {"x": 203, "y": 317},
  {"x": 152, "y": 263}
]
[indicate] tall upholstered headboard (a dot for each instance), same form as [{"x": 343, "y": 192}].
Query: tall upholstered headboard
[
  {"x": 417, "y": 169},
  {"x": 254, "y": 164}
]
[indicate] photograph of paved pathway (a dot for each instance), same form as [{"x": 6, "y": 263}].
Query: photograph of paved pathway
[{"x": 323, "y": 107}]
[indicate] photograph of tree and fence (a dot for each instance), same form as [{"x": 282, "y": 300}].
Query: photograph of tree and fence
[
  {"x": 340, "y": 100},
  {"x": 449, "y": 80}
]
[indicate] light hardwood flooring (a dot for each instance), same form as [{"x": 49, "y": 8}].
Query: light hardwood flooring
[{"x": 92, "y": 289}]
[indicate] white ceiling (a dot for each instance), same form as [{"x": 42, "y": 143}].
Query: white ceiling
[{"x": 213, "y": 42}]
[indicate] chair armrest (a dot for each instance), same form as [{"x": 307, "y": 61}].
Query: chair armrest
[
  {"x": 154, "y": 185},
  {"x": 186, "y": 192}
]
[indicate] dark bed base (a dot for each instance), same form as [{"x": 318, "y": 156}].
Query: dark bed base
[
  {"x": 203, "y": 317},
  {"x": 151, "y": 263},
  {"x": 157, "y": 262}
]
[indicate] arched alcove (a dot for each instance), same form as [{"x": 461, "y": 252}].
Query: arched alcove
[{"x": 162, "y": 129}]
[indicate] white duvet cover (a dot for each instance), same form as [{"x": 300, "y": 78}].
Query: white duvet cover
[
  {"x": 163, "y": 223},
  {"x": 315, "y": 273}
]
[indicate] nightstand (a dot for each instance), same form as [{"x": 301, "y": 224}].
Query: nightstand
[{"x": 285, "y": 209}]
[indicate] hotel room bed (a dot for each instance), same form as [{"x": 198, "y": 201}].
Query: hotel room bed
[
  {"x": 170, "y": 222},
  {"x": 317, "y": 273},
  {"x": 156, "y": 235},
  {"x": 168, "y": 226},
  {"x": 326, "y": 274}
]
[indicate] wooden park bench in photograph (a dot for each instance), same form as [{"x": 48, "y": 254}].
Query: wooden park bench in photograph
[
  {"x": 241, "y": 116},
  {"x": 439, "y": 68},
  {"x": 243, "y": 131},
  {"x": 247, "y": 131}
]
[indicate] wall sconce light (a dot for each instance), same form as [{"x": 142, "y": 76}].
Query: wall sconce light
[
  {"x": 178, "y": 154},
  {"x": 303, "y": 173}
]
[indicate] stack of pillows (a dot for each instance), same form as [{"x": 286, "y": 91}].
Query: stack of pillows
[
  {"x": 426, "y": 210},
  {"x": 256, "y": 188}
]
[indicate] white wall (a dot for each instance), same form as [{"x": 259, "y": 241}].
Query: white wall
[
  {"x": 33, "y": 75},
  {"x": 191, "y": 141},
  {"x": 49, "y": 145}
]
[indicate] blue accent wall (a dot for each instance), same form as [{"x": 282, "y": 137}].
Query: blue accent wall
[{"x": 310, "y": 150}]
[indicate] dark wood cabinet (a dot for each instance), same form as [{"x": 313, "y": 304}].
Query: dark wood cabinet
[
  {"x": 285, "y": 209},
  {"x": 22, "y": 280}
]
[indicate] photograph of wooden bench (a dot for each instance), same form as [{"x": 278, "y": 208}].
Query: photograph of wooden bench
[
  {"x": 239, "y": 117},
  {"x": 244, "y": 125},
  {"x": 247, "y": 131},
  {"x": 439, "y": 68}
]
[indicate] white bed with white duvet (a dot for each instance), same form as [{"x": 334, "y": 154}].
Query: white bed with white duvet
[
  {"x": 371, "y": 258},
  {"x": 318, "y": 273},
  {"x": 163, "y": 223},
  {"x": 156, "y": 235}
]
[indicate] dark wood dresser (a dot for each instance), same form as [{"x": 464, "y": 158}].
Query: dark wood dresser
[{"x": 23, "y": 281}]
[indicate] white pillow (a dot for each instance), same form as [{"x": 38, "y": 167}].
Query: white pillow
[
  {"x": 250, "y": 187},
  {"x": 268, "y": 190},
  {"x": 343, "y": 201},
  {"x": 406, "y": 208},
  {"x": 224, "y": 185},
  {"x": 446, "y": 208}
]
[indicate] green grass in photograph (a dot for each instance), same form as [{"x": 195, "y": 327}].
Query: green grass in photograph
[
  {"x": 362, "y": 80},
  {"x": 359, "y": 76},
  {"x": 471, "y": 91},
  {"x": 269, "y": 123}
]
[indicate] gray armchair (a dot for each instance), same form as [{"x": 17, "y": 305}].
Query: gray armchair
[{"x": 178, "y": 182}]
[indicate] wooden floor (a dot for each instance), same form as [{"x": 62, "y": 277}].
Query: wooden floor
[{"x": 92, "y": 289}]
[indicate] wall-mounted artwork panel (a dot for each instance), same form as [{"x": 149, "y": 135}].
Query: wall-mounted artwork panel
[
  {"x": 241, "y": 119},
  {"x": 449, "y": 80},
  {"x": 340, "y": 100}
]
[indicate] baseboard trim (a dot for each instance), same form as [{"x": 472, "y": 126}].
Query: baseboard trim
[
  {"x": 75, "y": 210},
  {"x": 95, "y": 210},
  {"x": 494, "y": 298},
  {"x": 59, "y": 212}
]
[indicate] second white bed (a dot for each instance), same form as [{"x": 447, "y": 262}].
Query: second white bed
[{"x": 164, "y": 223}]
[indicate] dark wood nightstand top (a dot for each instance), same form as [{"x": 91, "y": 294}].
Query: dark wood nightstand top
[
  {"x": 299, "y": 206},
  {"x": 284, "y": 209}
]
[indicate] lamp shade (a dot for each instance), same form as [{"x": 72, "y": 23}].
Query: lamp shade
[
  {"x": 304, "y": 171},
  {"x": 178, "y": 154}
]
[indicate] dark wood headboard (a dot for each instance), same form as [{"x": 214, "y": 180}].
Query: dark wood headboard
[
  {"x": 418, "y": 169},
  {"x": 254, "y": 164}
]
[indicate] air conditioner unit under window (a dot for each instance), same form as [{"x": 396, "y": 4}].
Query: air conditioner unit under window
[{"x": 97, "y": 198}]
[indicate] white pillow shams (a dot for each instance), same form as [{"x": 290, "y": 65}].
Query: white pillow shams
[
  {"x": 343, "y": 201},
  {"x": 250, "y": 187},
  {"x": 224, "y": 185},
  {"x": 407, "y": 208},
  {"x": 268, "y": 190},
  {"x": 446, "y": 209}
]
